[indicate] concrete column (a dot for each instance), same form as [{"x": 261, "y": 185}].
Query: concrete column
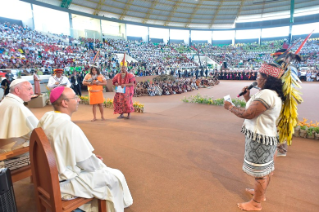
[
  {"x": 33, "y": 27},
  {"x": 71, "y": 25}
]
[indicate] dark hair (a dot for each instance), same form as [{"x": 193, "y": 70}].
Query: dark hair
[
  {"x": 275, "y": 84},
  {"x": 97, "y": 70}
]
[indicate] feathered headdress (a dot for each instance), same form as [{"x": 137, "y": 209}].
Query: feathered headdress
[
  {"x": 123, "y": 62},
  {"x": 288, "y": 118}
]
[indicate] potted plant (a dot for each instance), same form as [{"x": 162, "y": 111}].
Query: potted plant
[
  {"x": 316, "y": 129},
  {"x": 297, "y": 131},
  {"x": 310, "y": 133},
  {"x": 303, "y": 131}
]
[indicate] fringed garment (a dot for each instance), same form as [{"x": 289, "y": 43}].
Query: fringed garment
[{"x": 259, "y": 158}]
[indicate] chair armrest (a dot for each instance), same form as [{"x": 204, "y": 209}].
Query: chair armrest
[{"x": 14, "y": 153}]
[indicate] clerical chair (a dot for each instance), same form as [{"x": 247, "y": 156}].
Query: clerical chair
[
  {"x": 45, "y": 178},
  {"x": 20, "y": 173}
]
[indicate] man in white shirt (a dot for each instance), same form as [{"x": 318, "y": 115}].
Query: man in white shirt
[
  {"x": 83, "y": 174},
  {"x": 17, "y": 121},
  {"x": 58, "y": 80}
]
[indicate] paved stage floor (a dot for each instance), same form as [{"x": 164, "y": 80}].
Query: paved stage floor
[{"x": 183, "y": 157}]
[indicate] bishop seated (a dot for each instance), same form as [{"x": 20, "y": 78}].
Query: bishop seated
[{"x": 81, "y": 172}]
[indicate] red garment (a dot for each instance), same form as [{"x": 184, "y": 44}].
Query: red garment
[{"x": 123, "y": 102}]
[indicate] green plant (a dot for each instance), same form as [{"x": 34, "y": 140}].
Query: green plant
[
  {"x": 303, "y": 127},
  {"x": 219, "y": 102},
  {"x": 210, "y": 101},
  {"x": 310, "y": 131},
  {"x": 316, "y": 129}
]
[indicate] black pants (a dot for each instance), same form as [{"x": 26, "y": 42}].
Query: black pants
[{"x": 77, "y": 89}]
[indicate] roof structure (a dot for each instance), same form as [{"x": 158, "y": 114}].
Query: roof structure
[{"x": 203, "y": 14}]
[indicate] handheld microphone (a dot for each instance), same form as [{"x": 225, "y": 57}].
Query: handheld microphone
[{"x": 250, "y": 87}]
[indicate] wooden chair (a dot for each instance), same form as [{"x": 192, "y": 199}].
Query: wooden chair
[
  {"x": 45, "y": 178},
  {"x": 20, "y": 173}
]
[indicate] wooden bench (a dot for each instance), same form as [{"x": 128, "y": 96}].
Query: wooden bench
[
  {"x": 45, "y": 178},
  {"x": 20, "y": 173}
]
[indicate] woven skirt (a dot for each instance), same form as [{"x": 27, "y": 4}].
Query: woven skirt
[{"x": 259, "y": 158}]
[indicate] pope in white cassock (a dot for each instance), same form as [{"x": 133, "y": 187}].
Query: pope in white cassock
[
  {"x": 58, "y": 80},
  {"x": 81, "y": 173},
  {"x": 17, "y": 121}
]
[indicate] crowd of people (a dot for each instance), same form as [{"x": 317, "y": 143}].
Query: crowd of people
[
  {"x": 173, "y": 85},
  {"x": 28, "y": 51}
]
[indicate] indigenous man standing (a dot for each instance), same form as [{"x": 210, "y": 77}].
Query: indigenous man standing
[
  {"x": 58, "y": 80},
  {"x": 81, "y": 172},
  {"x": 123, "y": 102}
]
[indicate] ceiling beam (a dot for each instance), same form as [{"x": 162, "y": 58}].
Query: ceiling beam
[
  {"x": 223, "y": 17},
  {"x": 192, "y": 5},
  {"x": 171, "y": 14},
  {"x": 98, "y": 7},
  {"x": 150, "y": 10},
  {"x": 240, "y": 7},
  {"x": 262, "y": 11},
  {"x": 204, "y": 8},
  {"x": 193, "y": 13},
  {"x": 126, "y": 8},
  {"x": 216, "y": 13},
  {"x": 66, "y": 3}
]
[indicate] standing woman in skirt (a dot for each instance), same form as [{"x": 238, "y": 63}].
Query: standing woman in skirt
[
  {"x": 260, "y": 128},
  {"x": 95, "y": 81}
]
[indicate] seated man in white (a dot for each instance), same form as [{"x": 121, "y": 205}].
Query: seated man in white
[
  {"x": 81, "y": 173},
  {"x": 58, "y": 80},
  {"x": 17, "y": 121}
]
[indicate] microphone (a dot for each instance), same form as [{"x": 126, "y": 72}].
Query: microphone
[{"x": 250, "y": 87}]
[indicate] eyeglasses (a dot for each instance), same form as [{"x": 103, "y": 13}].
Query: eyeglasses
[{"x": 75, "y": 97}]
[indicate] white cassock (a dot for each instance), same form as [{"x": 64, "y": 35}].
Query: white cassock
[
  {"x": 16, "y": 124},
  {"x": 63, "y": 81},
  {"x": 85, "y": 175}
]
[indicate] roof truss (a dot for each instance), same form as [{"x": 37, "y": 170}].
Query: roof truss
[
  {"x": 126, "y": 8},
  {"x": 154, "y": 3},
  {"x": 171, "y": 14},
  {"x": 216, "y": 13},
  {"x": 98, "y": 7},
  {"x": 193, "y": 13}
]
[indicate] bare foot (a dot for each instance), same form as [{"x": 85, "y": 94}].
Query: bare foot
[
  {"x": 103, "y": 119},
  {"x": 93, "y": 120},
  {"x": 251, "y": 191},
  {"x": 128, "y": 117},
  {"x": 249, "y": 206}
]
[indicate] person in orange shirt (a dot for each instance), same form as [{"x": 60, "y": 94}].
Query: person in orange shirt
[{"x": 95, "y": 81}]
